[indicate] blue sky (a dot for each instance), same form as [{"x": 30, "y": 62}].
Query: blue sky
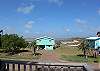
[{"x": 56, "y": 18}]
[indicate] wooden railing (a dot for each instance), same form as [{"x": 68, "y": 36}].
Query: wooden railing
[{"x": 11, "y": 65}]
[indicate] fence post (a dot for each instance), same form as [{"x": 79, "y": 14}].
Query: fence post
[
  {"x": 61, "y": 68},
  {"x": 30, "y": 67},
  {"x": 24, "y": 67},
  {"x": 42, "y": 67},
  {"x": 18, "y": 67},
  {"x": 13, "y": 67},
  {"x": 36, "y": 67},
  {"x": 55, "y": 68},
  {"x": 48, "y": 68},
  {"x": 68, "y": 68},
  {"x": 2, "y": 66},
  {"x": 7, "y": 67}
]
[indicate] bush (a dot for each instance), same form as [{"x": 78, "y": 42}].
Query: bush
[{"x": 12, "y": 43}]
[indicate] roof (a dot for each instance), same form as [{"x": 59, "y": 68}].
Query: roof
[
  {"x": 45, "y": 37},
  {"x": 98, "y": 33},
  {"x": 93, "y": 38}
]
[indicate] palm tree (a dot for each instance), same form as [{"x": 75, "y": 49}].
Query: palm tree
[
  {"x": 34, "y": 47},
  {"x": 57, "y": 44},
  {"x": 84, "y": 46}
]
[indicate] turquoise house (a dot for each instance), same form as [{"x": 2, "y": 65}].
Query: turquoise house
[
  {"x": 94, "y": 42},
  {"x": 45, "y": 42}
]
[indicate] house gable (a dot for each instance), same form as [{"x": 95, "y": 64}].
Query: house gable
[
  {"x": 45, "y": 41},
  {"x": 94, "y": 42}
]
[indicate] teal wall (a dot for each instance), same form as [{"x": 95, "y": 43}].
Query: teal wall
[
  {"x": 97, "y": 43},
  {"x": 91, "y": 43},
  {"x": 46, "y": 41},
  {"x": 94, "y": 43}
]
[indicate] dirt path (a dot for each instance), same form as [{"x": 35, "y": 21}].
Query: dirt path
[
  {"x": 49, "y": 56},
  {"x": 95, "y": 66}
]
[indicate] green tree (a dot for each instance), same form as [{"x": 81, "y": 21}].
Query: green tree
[
  {"x": 33, "y": 46},
  {"x": 57, "y": 44},
  {"x": 13, "y": 43},
  {"x": 84, "y": 46}
]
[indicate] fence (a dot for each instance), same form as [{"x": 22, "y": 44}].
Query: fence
[{"x": 11, "y": 65}]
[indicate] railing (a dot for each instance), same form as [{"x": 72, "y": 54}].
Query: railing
[{"x": 11, "y": 65}]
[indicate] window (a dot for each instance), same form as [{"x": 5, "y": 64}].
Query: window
[
  {"x": 49, "y": 45},
  {"x": 49, "y": 40}
]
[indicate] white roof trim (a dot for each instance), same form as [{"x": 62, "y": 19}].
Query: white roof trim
[
  {"x": 93, "y": 38},
  {"x": 44, "y": 37}
]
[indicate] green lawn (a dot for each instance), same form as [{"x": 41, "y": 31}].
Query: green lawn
[
  {"x": 71, "y": 54},
  {"x": 66, "y": 50},
  {"x": 79, "y": 59},
  {"x": 20, "y": 56}
]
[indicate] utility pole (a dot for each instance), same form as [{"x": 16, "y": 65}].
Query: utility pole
[
  {"x": 1, "y": 33},
  {"x": 0, "y": 41}
]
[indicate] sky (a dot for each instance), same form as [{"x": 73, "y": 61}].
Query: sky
[{"x": 55, "y": 18}]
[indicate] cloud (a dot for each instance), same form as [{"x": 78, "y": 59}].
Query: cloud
[
  {"x": 84, "y": 26},
  {"x": 80, "y": 23},
  {"x": 67, "y": 30},
  {"x": 98, "y": 11},
  {"x": 27, "y": 31},
  {"x": 58, "y": 2},
  {"x": 51, "y": 33},
  {"x": 29, "y": 24},
  {"x": 37, "y": 33},
  {"x": 26, "y": 9}
]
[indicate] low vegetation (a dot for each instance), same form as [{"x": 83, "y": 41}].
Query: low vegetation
[
  {"x": 74, "y": 54},
  {"x": 15, "y": 47},
  {"x": 12, "y": 43},
  {"x": 76, "y": 58}
]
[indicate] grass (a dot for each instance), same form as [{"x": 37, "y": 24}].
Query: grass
[
  {"x": 71, "y": 54},
  {"x": 79, "y": 59},
  {"x": 66, "y": 50},
  {"x": 64, "y": 53},
  {"x": 17, "y": 57},
  {"x": 20, "y": 56}
]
